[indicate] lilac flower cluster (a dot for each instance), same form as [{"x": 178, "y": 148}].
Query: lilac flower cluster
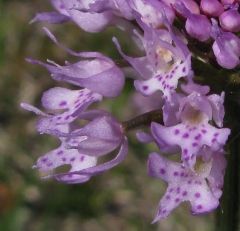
[{"x": 192, "y": 116}]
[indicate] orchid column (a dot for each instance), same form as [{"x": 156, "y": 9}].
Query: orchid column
[{"x": 185, "y": 115}]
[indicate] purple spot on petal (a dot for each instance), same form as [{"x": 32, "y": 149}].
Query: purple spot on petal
[
  {"x": 175, "y": 173},
  {"x": 164, "y": 211},
  {"x": 72, "y": 159},
  {"x": 62, "y": 103},
  {"x": 49, "y": 164},
  {"x": 197, "y": 195},
  {"x": 67, "y": 117},
  {"x": 194, "y": 144},
  {"x": 198, "y": 182},
  {"x": 177, "y": 200},
  {"x": 162, "y": 171},
  {"x": 64, "y": 159},
  {"x": 184, "y": 193},
  {"x": 185, "y": 151},
  {"x": 176, "y": 131},
  {"x": 178, "y": 190},
  {"x": 77, "y": 105},
  {"x": 199, "y": 207},
  {"x": 185, "y": 135},
  {"x": 214, "y": 140},
  {"x": 204, "y": 131},
  {"x": 60, "y": 152},
  {"x": 82, "y": 158},
  {"x": 44, "y": 159},
  {"x": 145, "y": 88}
]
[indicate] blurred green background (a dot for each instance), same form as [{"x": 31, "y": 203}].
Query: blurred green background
[{"x": 122, "y": 199}]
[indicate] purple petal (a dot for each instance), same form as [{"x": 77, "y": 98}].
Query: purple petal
[
  {"x": 145, "y": 104},
  {"x": 33, "y": 109},
  {"x": 217, "y": 108},
  {"x": 46, "y": 125},
  {"x": 60, "y": 6},
  {"x": 151, "y": 12},
  {"x": 171, "y": 110},
  {"x": 72, "y": 101},
  {"x": 99, "y": 75},
  {"x": 144, "y": 137},
  {"x": 79, "y": 12},
  {"x": 110, "y": 164},
  {"x": 166, "y": 82},
  {"x": 50, "y": 17},
  {"x": 103, "y": 134},
  {"x": 60, "y": 157},
  {"x": 191, "y": 87},
  {"x": 140, "y": 64},
  {"x": 162, "y": 144},
  {"x": 216, "y": 176},
  {"x": 95, "y": 170},
  {"x": 226, "y": 47},
  {"x": 191, "y": 138},
  {"x": 183, "y": 185}
]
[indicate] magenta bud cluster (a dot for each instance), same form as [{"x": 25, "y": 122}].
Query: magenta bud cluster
[{"x": 199, "y": 17}]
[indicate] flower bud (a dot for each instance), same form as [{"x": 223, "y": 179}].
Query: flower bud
[
  {"x": 227, "y": 50},
  {"x": 192, "y": 6},
  {"x": 227, "y": 1},
  {"x": 230, "y": 20},
  {"x": 212, "y": 7},
  {"x": 198, "y": 26}
]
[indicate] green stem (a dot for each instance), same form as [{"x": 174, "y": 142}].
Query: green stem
[
  {"x": 228, "y": 214},
  {"x": 143, "y": 120}
]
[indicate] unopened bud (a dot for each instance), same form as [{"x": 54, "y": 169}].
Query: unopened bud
[
  {"x": 198, "y": 26},
  {"x": 230, "y": 20},
  {"x": 212, "y": 7}
]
